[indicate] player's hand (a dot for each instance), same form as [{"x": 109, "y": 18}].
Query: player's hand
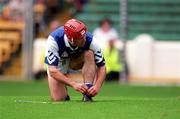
[
  {"x": 82, "y": 88},
  {"x": 93, "y": 91}
]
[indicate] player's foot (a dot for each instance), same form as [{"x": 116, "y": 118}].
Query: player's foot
[
  {"x": 86, "y": 97},
  {"x": 67, "y": 98}
]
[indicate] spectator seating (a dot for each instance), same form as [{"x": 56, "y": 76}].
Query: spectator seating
[
  {"x": 4, "y": 52},
  {"x": 96, "y": 10},
  {"x": 13, "y": 37},
  {"x": 159, "y": 18},
  {"x": 10, "y": 40}
]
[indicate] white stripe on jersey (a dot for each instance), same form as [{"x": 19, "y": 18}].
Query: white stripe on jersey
[
  {"x": 51, "y": 50},
  {"x": 97, "y": 51}
]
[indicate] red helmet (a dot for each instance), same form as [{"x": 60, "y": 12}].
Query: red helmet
[{"x": 75, "y": 29}]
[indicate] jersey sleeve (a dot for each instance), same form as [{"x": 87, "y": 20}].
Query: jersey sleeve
[
  {"x": 99, "y": 59},
  {"x": 51, "y": 56}
]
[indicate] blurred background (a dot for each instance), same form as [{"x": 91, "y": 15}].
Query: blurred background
[{"x": 140, "y": 39}]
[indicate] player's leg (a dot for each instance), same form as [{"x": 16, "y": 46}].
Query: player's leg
[
  {"x": 58, "y": 90},
  {"x": 88, "y": 72},
  {"x": 86, "y": 62},
  {"x": 89, "y": 67}
]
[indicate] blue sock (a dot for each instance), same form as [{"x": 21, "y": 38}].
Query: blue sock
[
  {"x": 89, "y": 85},
  {"x": 86, "y": 96}
]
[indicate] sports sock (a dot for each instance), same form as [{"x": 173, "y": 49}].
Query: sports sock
[{"x": 87, "y": 97}]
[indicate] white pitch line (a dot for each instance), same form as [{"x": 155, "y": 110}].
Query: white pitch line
[{"x": 29, "y": 101}]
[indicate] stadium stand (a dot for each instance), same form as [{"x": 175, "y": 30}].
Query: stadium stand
[
  {"x": 11, "y": 30},
  {"x": 10, "y": 42},
  {"x": 13, "y": 37},
  {"x": 159, "y": 18},
  {"x": 5, "y": 52},
  {"x": 96, "y": 10}
]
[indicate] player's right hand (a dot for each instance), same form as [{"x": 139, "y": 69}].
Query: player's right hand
[{"x": 82, "y": 88}]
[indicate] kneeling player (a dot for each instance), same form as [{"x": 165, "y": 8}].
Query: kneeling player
[{"x": 72, "y": 47}]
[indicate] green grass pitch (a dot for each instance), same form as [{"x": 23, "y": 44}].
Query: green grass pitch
[{"x": 30, "y": 100}]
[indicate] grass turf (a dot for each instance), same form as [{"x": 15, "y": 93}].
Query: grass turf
[{"x": 30, "y": 100}]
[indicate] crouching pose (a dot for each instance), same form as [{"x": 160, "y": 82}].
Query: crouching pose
[{"x": 72, "y": 47}]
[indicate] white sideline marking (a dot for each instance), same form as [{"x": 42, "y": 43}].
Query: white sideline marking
[
  {"x": 29, "y": 101},
  {"x": 37, "y": 102}
]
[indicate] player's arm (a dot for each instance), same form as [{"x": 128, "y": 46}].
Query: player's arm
[
  {"x": 52, "y": 59},
  {"x": 101, "y": 69},
  {"x": 56, "y": 74},
  {"x": 101, "y": 74}
]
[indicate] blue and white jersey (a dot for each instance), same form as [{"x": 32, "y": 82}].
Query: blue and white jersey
[{"x": 59, "y": 51}]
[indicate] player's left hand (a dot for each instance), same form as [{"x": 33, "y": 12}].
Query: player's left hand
[{"x": 93, "y": 91}]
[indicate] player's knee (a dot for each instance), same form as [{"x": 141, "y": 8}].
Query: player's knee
[
  {"x": 57, "y": 99},
  {"x": 89, "y": 55}
]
